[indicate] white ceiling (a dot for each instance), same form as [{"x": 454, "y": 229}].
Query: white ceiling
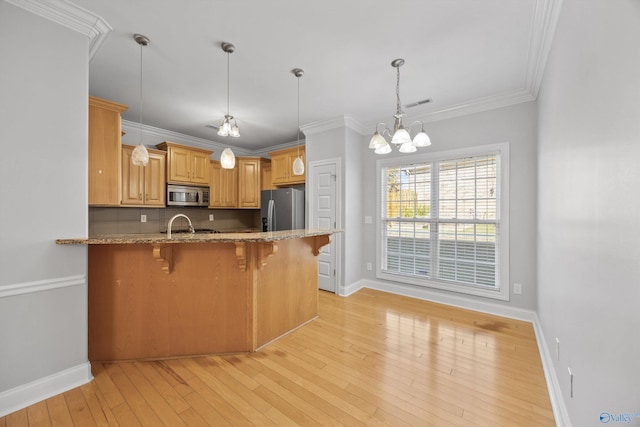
[{"x": 466, "y": 55}]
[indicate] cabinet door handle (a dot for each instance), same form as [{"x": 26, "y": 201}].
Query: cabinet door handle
[
  {"x": 140, "y": 196},
  {"x": 146, "y": 197}
]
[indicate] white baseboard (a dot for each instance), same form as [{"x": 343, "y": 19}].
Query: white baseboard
[
  {"x": 560, "y": 412},
  {"x": 22, "y": 396},
  {"x": 449, "y": 299}
]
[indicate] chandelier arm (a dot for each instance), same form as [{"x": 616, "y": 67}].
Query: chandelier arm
[{"x": 419, "y": 122}]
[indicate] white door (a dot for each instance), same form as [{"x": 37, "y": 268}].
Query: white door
[{"x": 323, "y": 213}]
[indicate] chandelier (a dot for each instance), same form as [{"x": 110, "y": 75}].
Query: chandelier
[
  {"x": 401, "y": 136},
  {"x": 227, "y": 158}
]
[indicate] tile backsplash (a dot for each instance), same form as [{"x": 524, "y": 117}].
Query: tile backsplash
[{"x": 104, "y": 221}]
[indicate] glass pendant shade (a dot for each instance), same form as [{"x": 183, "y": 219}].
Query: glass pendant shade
[
  {"x": 225, "y": 128},
  {"x": 227, "y": 159},
  {"x": 377, "y": 140},
  {"x": 140, "y": 155},
  {"x": 408, "y": 147},
  {"x": 401, "y": 136},
  {"x": 235, "y": 132},
  {"x": 421, "y": 140},
  {"x": 298, "y": 166},
  {"x": 383, "y": 149}
]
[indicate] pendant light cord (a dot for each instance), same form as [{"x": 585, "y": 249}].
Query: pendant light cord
[
  {"x": 298, "y": 129},
  {"x": 141, "y": 46},
  {"x": 228, "y": 90},
  {"x": 398, "y": 110}
]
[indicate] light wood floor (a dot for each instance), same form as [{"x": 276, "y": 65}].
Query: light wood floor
[{"x": 370, "y": 359}]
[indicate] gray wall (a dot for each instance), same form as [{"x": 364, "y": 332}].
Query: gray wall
[
  {"x": 43, "y": 187},
  {"x": 515, "y": 124},
  {"x": 344, "y": 143},
  {"x": 589, "y": 207}
]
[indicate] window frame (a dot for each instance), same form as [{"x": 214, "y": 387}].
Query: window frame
[{"x": 502, "y": 270}]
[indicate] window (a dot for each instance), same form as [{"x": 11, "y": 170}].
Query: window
[{"x": 444, "y": 220}]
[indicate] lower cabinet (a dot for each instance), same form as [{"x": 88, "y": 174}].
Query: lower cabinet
[{"x": 144, "y": 185}]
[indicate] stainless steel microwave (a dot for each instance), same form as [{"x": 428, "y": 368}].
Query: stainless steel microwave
[{"x": 186, "y": 195}]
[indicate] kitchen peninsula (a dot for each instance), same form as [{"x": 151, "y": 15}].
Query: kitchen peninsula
[{"x": 152, "y": 297}]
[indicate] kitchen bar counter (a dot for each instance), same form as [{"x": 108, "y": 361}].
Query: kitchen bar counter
[
  {"x": 119, "y": 239},
  {"x": 151, "y": 297}
]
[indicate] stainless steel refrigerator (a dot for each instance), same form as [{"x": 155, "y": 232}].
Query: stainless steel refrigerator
[{"x": 282, "y": 209}]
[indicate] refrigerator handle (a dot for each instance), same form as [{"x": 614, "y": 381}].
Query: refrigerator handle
[{"x": 271, "y": 215}]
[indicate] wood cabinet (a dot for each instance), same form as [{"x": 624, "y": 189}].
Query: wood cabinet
[
  {"x": 104, "y": 152},
  {"x": 223, "y": 187},
  {"x": 144, "y": 185},
  {"x": 186, "y": 165},
  {"x": 265, "y": 175},
  {"x": 249, "y": 182},
  {"x": 282, "y": 167},
  {"x": 238, "y": 187}
]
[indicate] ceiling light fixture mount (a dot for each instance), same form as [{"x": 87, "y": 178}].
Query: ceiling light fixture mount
[
  {"x": 227, "y": 158},
  {"x": 298, "y": 164},
  {"x": 400, "y": 136},
  {"x": 140, "y": 154}
]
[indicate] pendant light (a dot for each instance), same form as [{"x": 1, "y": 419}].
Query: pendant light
[
  {"x": 401, "y": 136},
  {"x": 298, "y": 164},
  {"x": 227, "y": 158},
  {"x": 140, "y": 154}
]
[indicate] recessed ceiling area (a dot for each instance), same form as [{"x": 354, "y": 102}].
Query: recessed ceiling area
[{"x": 464, "y": 55}]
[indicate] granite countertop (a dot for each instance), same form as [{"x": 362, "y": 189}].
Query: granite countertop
[{"x": 123, "y": 239}]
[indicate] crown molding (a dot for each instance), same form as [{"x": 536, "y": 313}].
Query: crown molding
[
  {"x": 192, "y": 141},
  {"x": 545, "y": 20},
  {"x": 543, "y": 26},
  {"x": 71, "y": 16},
  {"x": 335, "y": 123}
]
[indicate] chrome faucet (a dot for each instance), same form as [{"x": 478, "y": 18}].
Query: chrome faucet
[{"x": 191, "y": 230}]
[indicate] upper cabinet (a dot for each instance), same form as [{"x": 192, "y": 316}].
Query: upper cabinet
[
  {"x": 224, "y": 186},
  {"x": 265, "y": 175},
  {"x": 282, "y": 166},
  {"x": 238, "y": 187},
  {"x": 144, "y": 185},
  {"x": 104, "y": 152},
  {"x": 187, "y": 165},
  {"x": 248, "y": 182}
]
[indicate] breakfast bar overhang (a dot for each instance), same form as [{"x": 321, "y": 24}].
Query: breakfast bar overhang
[{"x": 151, "y": 297}]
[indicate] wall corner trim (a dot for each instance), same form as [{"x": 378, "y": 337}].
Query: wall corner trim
[
  {"x": 22, "y": 396},
  {"x": 71, "y": 16}
]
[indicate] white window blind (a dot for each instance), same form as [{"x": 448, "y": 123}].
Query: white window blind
[{"x": 440, "y": 221}]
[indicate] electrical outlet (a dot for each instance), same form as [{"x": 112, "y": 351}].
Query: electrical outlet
[
  {"x": 143, "y": 218},
  {"x": 557, "y": 348},
  {"x": 369, "y": 266},
  {"x": 517, "y": 288},
  {"x": 210, "y": 217}
]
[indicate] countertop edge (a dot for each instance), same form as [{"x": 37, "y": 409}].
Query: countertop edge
[{"x": 123, "y": 239}]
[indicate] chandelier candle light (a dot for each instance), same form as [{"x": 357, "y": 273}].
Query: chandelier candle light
[
  {"x": 401, "y": 135},
  {"x": 298, "y": 164},
  {"x": 227, "y": 158},
  {"x": 140, "y": 154}
]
